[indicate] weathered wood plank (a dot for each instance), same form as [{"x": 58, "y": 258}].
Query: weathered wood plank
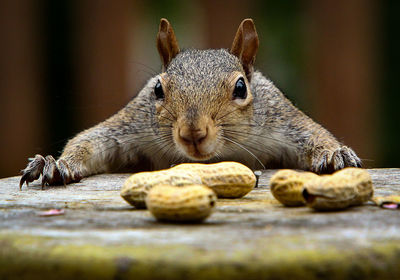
[{"x": 102, "y": 236}]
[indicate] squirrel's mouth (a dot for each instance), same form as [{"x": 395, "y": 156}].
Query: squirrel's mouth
[
  {"x": 196, "y": 140},
  {"x": 199, "y": 156},
  {"x": 197, "y": 151},
  {"x": 194, "y": 152}
]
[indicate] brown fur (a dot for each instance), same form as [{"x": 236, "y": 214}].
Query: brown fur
[{"x": 199, "y": 119}]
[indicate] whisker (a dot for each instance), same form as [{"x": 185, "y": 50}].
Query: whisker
[
  {"x": 177, "y": 157},
  {"x": 239, "y": 124},
  {"x": 234, "y": 135},
  {"x": 241, "y": 146},
  {"x": 234, "y": 150},
  {"x": 153, "y": 71},
  {"x": 172, "y": 115},
  {"x": 153, "y": 142},
  {"x": 253, "y": 145},
  {"x": 149, "y": 74},
  {"x": 153, "y": 114},
  {"x": 167, "y": 149},
  {"x": 145, "y": 137},
  {"x": 225, "y": 115},
  {"x": 280, "y": 141}
]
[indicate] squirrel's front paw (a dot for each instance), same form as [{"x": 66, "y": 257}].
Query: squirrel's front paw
[
  {"x": 53, "y": 172},
  {"x": 328, "y": 161}
]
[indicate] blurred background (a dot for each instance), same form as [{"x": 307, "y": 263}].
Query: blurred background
[{"x": 67, "y": 65}]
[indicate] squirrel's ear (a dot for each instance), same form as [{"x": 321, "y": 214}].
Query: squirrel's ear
[
  {"x": 167, "y": 44},
  {"x": 245, "y": 45}
]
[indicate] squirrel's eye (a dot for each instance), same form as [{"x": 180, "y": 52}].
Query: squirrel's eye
[
  {"x": 240, "y": 90},
  {"x": 158, "y": 91}
]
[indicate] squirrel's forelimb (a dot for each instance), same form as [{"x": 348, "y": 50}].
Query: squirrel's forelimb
[{"x": 206, "y": 105}]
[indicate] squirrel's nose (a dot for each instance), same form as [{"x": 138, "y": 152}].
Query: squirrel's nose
[{"x": 195, "y": 136}]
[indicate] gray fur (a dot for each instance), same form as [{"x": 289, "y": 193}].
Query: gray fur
[{"x": 268, "y": 131}]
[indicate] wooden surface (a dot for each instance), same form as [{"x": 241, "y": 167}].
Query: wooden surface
[{"x": 101, "y": 236}]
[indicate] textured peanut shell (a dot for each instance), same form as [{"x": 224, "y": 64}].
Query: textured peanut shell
[
  {"x": 136, "y": 187},
  {"x": 227, "y": 179},
  {"x": 181, "y": 204},
  {"x": 345, "y": 188},
  {"x": 390, "y": 199},
  {"x": 287, "y": 186}
]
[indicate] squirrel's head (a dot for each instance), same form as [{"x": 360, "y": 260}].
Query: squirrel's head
[{"x": 201, "y": 94}]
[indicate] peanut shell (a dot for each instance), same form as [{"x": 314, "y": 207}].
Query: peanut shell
[
  {"x": 227, "y": 179},
  {"x": 345, "y": 188},
  {"x": 181, "y": 204},
  {"x": 136, "y": 187},
  {"x": 384, "y": 201},
  {"x": 287, "y": 186}
]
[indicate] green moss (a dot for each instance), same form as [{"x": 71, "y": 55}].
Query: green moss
[{"x": 28, "y": 257}]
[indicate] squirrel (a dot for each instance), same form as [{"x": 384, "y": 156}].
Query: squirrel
[{"x": 205, "y": 106}]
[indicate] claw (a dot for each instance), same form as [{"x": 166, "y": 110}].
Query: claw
[
  {"x": 337, "y": 161},
  {"x": 329, "y": 161},
  {"x": 21, "y": 182},
  {"x": 43, "y": 181},
  {"x": 53, "y": 172},
  {"x": 32, "y": 171},
  {"x": 64, "y": 172}
]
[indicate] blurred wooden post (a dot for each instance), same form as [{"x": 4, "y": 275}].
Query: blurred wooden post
[
  {"x": 343, "y": 70},
  {"x": 104, "y": 30},
  {"x": 21, "y": 105}
]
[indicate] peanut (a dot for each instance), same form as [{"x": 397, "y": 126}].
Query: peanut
[
  {"x": 390, "y": 201},
  {"x": 181, "y": 204},
  {"x": 287, "y": 186},
  {"x": 136, "y": 187},
  {"x": 227, "y": 179},
  {"x": 344, "y": 188}
]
